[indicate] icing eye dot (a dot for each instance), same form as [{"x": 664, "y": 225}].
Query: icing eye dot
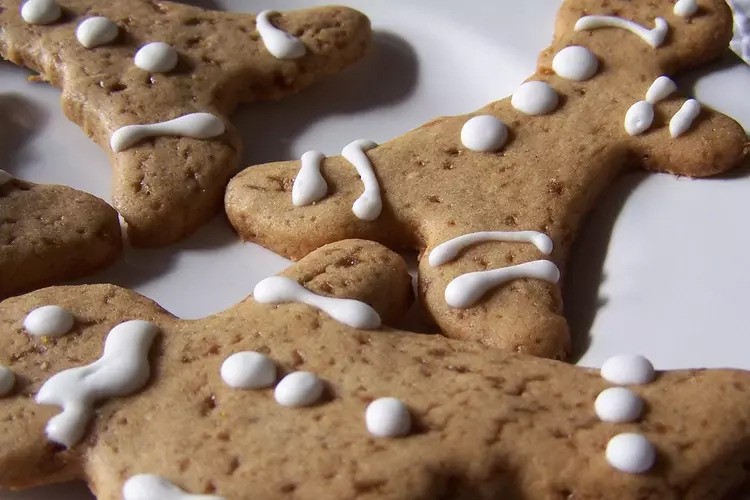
[
  {"x": 534, "y": 98},
  {"x": 618, "y": 404},
  {"x": 7, "y": 380},
  {"x": 156, "y": 57},
  {"x": 248, "y": 370},
  {"x": 299, "y": 389},
  {"x": 41, "y": 11},
  {"x": 48, "y": 321},
  {"x": 628, "y": 369},
  {"x": 685, "y": 8},
  {"x": 630, "y": 452},
  {"x": 96, "y": 31},
  {"x": 575, "y": 63},
  {"x": 387, "y": 417},
  {"x": 484, "y": 133}
]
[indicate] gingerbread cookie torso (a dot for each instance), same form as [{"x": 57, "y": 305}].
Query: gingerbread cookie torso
[
  {"x": 153, "y": 83},
  {"x": 493, "y": 199},
  {"x": 300, "y": 392},
  {"x": 51, "y": 233}
]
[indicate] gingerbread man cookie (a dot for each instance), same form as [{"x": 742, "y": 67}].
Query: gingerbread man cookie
[
  {"x": 51, "y": 233},
  {"x": 153, "y": 83},
  {"x": 301, "y": 392},
  {"x": 492, "y": 200}
]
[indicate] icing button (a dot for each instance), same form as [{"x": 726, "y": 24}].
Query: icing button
[
  {"x": 96, "y": 31},
  {"x": 575, "y": 63},
  {"x": 627, "y": 369},
  {"x": 484, "y": 134},
  {"x": 299, "y": 389},
  {"x": 40, "y": 11},
  {"x": 248, "y": 370},
  {"x": 48, "y": 321},
  {"x": 630, "y": 452},
  {"x": 156, "y": 57},
  {"x": 618, "y": 404},
  {"x": 388, "y": 417}
]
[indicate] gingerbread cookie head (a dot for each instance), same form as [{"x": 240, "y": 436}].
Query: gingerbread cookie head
[
  {"x": 153, "y": 84},
  {"x": 492, "y": 200},
  {"x": 302, "y": 391}
]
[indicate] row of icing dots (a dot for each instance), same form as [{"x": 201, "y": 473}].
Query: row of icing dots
[{"x": 640, "y": 116}]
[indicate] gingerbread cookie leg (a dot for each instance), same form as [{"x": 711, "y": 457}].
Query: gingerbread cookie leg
[
  {"x": 301, "y": 391},
  {"x": 492, "y": 200},
  {"x": 154, "y": 82}
]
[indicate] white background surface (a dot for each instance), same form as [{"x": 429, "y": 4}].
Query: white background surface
[{"x": 660, "y": 269}]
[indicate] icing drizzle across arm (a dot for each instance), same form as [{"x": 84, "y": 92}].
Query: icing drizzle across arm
[
  {"x": 447, "y": 251},
  {"x": 368, "y": 205},
  {"x": 194, "y": 125},
  {"x": 654, "y": 37},
  {"x": 279, "y": 43}
]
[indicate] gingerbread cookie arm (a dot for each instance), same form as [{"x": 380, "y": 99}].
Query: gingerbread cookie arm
[
  {"x": 52, "y": 233},
  {"x": 157, "y": 95}
]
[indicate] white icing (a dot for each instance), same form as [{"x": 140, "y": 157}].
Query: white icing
[
  {"x": 683, "y": 119},
  {"x": 248, "y": 370},
  {"x": 279, "y": 289},
  {"x": 7, "y": 380},
  {"x": 654, "y": 37},
  {"x": 309, "y": 185},
  {"x": 639, "y": 117},
  {"x": 156, "y": 57},
  {"x": 465, "y": 290},
  {"x": 630, "y": 452},
  {"x": 299, "y": 389},
  {"x": 194, "y": 125},
  {"x": 448, "y": 250},
  {"x": 48, "y": 321},
  {"x": 685, "y": 8},
  {"x": 122, "y": 370},
  {"x": 575, "y": 63},
  {"x": 369, "y": 204},
  {"x": 534, "y": 98},
  {"x": 152, "y": 487},
  {"x": 628, "y": 369},
  {"x": 484, "y": 133},
  {"x": 5, "y": 177},
  {"x": 387, "y": 418},
  {"x": 618, "y": 405},
  {"x": 40, "y": 11},
  {"x": 279, "y": 43},
  {"x": 96, "y": 31},
  {"x": 662, "y": 88}
]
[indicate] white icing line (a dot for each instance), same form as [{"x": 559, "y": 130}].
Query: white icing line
[
  {"x": 388, "y": 418},
  {"x": 369, "y": 204},
  {"x": 40, "y": 11},
  {"x": 448, "y": 250},
  {"x": 309, "y": 185},
  {"x": 654, "y": 37},
  {"x": 630, "y": 452},
  {"x": 466, "y": 290},
  {"x": 639, "y": 117},
  {"x": 662, "y": 88},
  {"x": 48, "y": 321},
  {"x": 7, "y": 380},
  {"x": 122, "y": 370},
  {"x": 96, "y": 31},
  {"x": 683, "y": 119},
  {"x": 279, "y": 289},
  {"x": 5, "y": 177},
  {"x": 194, "y": 125},
  {"x": 279, "y": 43},
  {"x": 298, "y": 389},
  {"x": 685, "y": 8},
  {"x": 153, "y": 487}
]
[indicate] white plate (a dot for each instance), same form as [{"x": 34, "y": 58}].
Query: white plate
[{"x": 661, "y": 268}]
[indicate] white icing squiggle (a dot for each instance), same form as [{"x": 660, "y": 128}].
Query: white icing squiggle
[
  {"x": 685, "y": 8},
  {"x": 278, "y": 289},
  {"x": 194, "y": 125},
  {"x": 683, "y": 119},
  {"x": 309, "y": 185},
  {"x": 662, "y": 88},
  {"x": 153, "y": 487},
  {"x": 96, "y": 31},
  {"x": 5, "y": 177},
  {"x": 654, "y": 37},
  {"x": 465, "y": 290},
  {"x": 639, "y": 117},
  {"x": 448, "y": 250},
  {"x": 279, "y": 43},
  {"x": 40, "y": 11},
  {"x": 122, "y": 369},
  {"x": 369, "y": 204}
]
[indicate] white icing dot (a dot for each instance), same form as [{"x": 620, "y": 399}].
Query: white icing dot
[
  {"x": 630, "y": 452},
  {"x": 683, "y": 119},
  {"x": 534, "y": 98},
  {"x": 575, "y": 63},
  {"x": 7, "y": 380},
  {"x": 279, "y": 43},
  {"x": 40, "y": 11},
  {"x": 628, "y": 369},
  {"x": 193, "y": 125},
  {"x": 639, "y": 117},
  {"x": 618, "y": 404},
  {"x": 388, "y": 417},
  {"x": 5, "y": 177},
  {"x": 484, "y": 133},
  {"x": 662, "y": 88},
  {"x": 153, "y": 487},
  {"x": 299, "y": 389},
  {"x": 248, "y": 370},
  {"x": 685, "y": 8},
  {"x": 156, "y": 57},
  {"x": 96, "y": 31},
  {"x": 48, "y": 321}
]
